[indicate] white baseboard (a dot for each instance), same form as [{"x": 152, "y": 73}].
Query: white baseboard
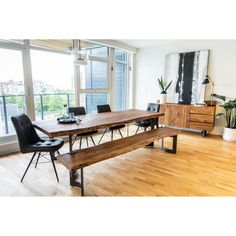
[{"x": 9, "y": 148}]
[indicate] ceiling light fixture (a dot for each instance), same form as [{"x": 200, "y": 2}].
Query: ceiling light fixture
[{"x": 81, "y": 57}]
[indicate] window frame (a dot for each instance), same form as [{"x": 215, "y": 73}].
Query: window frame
[
  {"x": 110, "y": 60},
  {"x": 27, "y": 75},
  {"x": 93, "y": 90},
  {"x": 128, "y": 77}
]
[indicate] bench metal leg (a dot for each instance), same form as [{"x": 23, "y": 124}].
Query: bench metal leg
[
  {"x": 174, "y": 145},
  {"x": 74, "y": 182}
]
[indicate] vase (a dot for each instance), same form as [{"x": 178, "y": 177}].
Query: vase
[
  {"x": 229, "y": 134},
  {"x": 163, "y": 98}
]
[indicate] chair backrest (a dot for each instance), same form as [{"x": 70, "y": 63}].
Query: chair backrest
[
  {"x": 103, "y": 108},
  {"x": 77, "y": 110},
  {"x": 153, "y": 107},
  {"x": 25, "y": 131}
]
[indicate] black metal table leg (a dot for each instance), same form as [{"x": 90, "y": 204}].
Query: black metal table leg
[{"x": 70, "y": 142}]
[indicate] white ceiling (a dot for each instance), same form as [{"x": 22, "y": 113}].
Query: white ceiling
[{"x": 144, "y": 43}]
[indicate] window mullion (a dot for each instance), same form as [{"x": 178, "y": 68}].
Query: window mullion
[
  {"x": 28, "y": 81},
  {"x": 111, "y": 77}
]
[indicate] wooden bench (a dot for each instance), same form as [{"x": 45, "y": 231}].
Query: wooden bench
[{"x": 85, "y": 157}]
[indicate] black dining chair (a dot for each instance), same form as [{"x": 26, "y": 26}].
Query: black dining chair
[
  {"x": 107, "y": 108},
  {"x": 81, "y": 111},
  {"x": 154, "y": 107},
  {"x": 30, "y": 142}
]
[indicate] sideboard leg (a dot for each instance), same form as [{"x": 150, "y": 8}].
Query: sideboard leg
[{"x": 204, "y": 133}]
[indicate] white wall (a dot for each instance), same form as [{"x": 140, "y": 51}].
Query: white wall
[{"x": 150, "y": 65}]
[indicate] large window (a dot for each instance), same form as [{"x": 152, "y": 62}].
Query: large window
[
  {"x": 12, "y": 95},
  {"x": 38, "y": 77},
  {"x": 53, "y": 82},
  {"x": 120, "y": 80}
]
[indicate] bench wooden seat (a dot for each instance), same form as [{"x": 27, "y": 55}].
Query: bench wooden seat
[{"x": 79, "y": 159}]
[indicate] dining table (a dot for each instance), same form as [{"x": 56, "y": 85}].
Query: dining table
[{"x": 90, "y": 122}]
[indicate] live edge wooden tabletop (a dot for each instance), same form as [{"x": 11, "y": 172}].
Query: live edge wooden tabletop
[{"x": 93, "y": 122}]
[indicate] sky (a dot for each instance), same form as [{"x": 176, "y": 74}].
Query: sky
[{"x": 56, "y": 69}]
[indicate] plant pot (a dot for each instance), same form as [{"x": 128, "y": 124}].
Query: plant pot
[
  {"x": 229, "y": 134},
  {"x": 163, "y": 98}
]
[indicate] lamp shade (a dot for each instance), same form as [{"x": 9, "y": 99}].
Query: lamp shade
[
  {"x": 206, "y": 80},
  {"x": 81, "y": 57}
]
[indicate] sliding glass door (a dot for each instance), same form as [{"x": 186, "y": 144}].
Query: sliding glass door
[
  {"x": 12, "y": 89},
  {"x": 120, "y": 80},
  {"x": 94, "y": 79},
  {"x": 53, "y": 83}
]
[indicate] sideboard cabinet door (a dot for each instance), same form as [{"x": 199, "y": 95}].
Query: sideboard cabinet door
[{"x": 175, "y": 115}]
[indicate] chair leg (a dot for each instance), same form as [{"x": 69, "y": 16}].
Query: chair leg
[
  {"x": 28, "y": 167},
  {"x": 37, "y": 159},
  {"x": 80, "y": 142},
  {"x": 137, "y": 130},
  {"x": 92, "y": 140},
  {"x": 54, "y": 167},
  {"x": 120, "y": 133},
  {"x": 74, "y": 140},
  {"x": 87, "y": 141},
  {"x": 111, "y": 135},
  {"x": 102, "y": 136}
]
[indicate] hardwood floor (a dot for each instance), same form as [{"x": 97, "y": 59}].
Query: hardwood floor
[{"x": 203, "y": 166}]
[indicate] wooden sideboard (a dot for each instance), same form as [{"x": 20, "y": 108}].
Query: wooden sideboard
[{"x": 188, "y": 116}]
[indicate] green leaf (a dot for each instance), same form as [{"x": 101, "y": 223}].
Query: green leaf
[
  {"x": 219, "y": 96},
  {"x": 161, "y": 85},
  {"x": 168, "y": 85},
  {"x": 219, "y": 115}
]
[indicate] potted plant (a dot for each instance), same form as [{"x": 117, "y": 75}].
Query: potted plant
[
  {"x": 163, "y": 88},
  {"x": 229, "y": 116}
]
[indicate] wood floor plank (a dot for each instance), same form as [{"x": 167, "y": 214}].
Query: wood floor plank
[{"x": 203, "y": 166}]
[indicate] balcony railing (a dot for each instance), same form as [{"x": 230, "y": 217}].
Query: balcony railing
[{"x": 46, "y": 106}]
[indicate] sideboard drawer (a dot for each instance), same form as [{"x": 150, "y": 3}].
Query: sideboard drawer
[
  {"x": 201, "y": 126},
  {"x": 202, "y": 118},
  {"x": 202, "y": 110}
]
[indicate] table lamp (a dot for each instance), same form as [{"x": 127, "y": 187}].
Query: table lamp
[{"x": 208, "y": 80}]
